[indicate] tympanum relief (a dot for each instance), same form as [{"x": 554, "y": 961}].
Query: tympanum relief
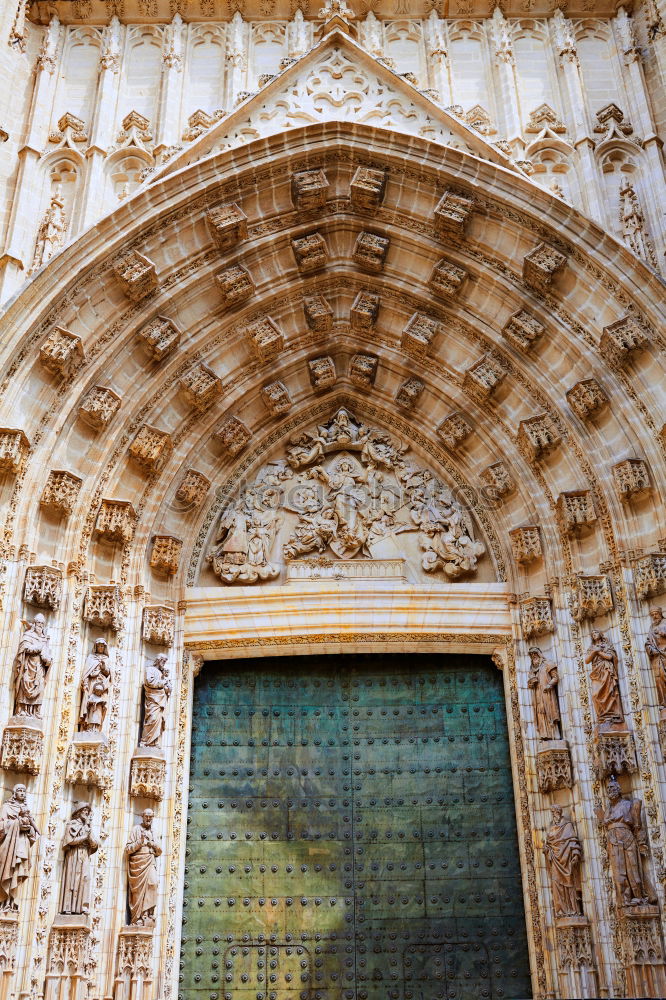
[{"x": 339, "y": 492}]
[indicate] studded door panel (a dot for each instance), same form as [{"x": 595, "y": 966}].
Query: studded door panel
[{"x": 351, "y": 833}]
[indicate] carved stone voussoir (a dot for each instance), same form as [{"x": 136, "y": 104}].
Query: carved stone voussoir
[
  {"x": 61, "y": 492},
  {"x": 364, "y": 311},
  {"x": 541, "y": 265},
  {"x": 116, "y": 520},
  {"x": 452, "y": 213},
  {"x": 14, "y": 446},
  {"x": 193, "y": 488},
  {"x": 526, "y": 544},
  {"x": 537, "y": 437},
  {"x": 553, "y": 765},
  {"x": 419, "y": 334},
  {"x": 235, "y": 284},
  {"x": 227, "y": 225},
  {"x": 614, "y": 753},
  {"x": 523, "y": 330},
  {"x": 233, "y": 435},
  {"x": 370, "y": 251},
  {"x": 447, "y": 278},
  {"x": 61, "y": 352},
  {"x": 536, "y": 616},
  {"x": 409, "y": 393},
  {"x": 99, "y": 407},
  {"x": 87, "y": 760},
  {"x": 159, "y": 337},
  {"x": 483, "y": 378},
  {"x": 147, "y": 774},
  {"x": 137, "y": 274},
  {"x": 201, "y": 387},
  {"x": 367, "y": 188},
  {"x": 151, "y": 448},
  {"x": 158, "y": 625},
  {"x": 620, "y": 340},
  {"x": 587, "y": 398},
  {"x": 165, "y": 554},
  {"x": 592, "y": 596},
  {"x": 43, "y": 587},
  {"x": 309, "y": 189},
  {"x": 102, "y": 606},
  {"x": 322, "y": 372},
  {"x": 22, "y": 745},
  {"x": 576, "y": 512},
  {"x": 498, "y": 481},
  {"x": 574, "y": 943},
  {"x": 632, "y": 478},
  {"x": 265, "y": 337},
  {"x": 454, "y": 430},
  {"x": 318, "y": 313},
  {"x": 310, "y": 252},
  {"x": 650, "y": 575},
  {"x": 276, "y": 398}
]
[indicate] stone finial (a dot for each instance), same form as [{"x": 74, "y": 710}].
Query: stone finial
[
  {"x": 136, "y": 274},
  {"x": 309, "y": 189},
  {"x": 14, "y": 447},
  {"x": 265, "y": 338},
  {"x": 632, "y": 478},
  {"x": 318, "y": 313},
  {"x": 165, "y": 554},
  {"x": 151, "y": 448},
  {"x": 498, "y": 481},
  {"x": 201, "y": 387},
  {"x": 193, "y": 488},
  {"x": 419, "y": 334},
  {"x": 541, "y": 265},
  {"x": 452, "y": 213},
  {"x": 587, "y": 398},
  {"x": 537, "y": 437},
  {"x": 370, "y": 251},
  {"x": 650, "y": 575},
  {"x": 621, "y": 339},
  {"x": 591, "y": 597},
  {"x": 61, "y": 352},
  {"x": 363, "y": 370},
  {"x": 367, "y": 188},
  {"x": 235, "y": 284},
  {"x": 61, "y": 492},
  {"x": 159, "y": 337},
  {"x": 409, "y": 393},
  {"x": 276, "y": 398},
  {"x": 526, "y": 544},
  {"x": 447, "y": 278},
  {"x": 227, "y": 225},
  {"x": 158, "y": 625},
  {"x": 454, "y": 430},
  {"x": 483, "y": 378},
  {"x": 523, "y": 330},
  {"x": 233, "y": 435},
  {"x": 575, "y": 511},
  {"x": 99, "y": 407},
  {"x": 116, "y": 520},
  {"x": 322, "y": 372},
  {"x": 310, "y": 252},
  {"x": 364, "y": 311},
  {"x": 43, "y": 587},
  {"x": 536, "y": 616},
  {"x": 102, "y": 606}
]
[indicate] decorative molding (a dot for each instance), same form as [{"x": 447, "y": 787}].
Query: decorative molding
[
  {"x": 523, "y": 330},
  {"x": 622, "y": 339},
  {"x": 322, "y": 372},
  {"x": 309, "y": 189},
  {"x": 193, "y": 488},
  {"x": 447, "y": 279},
  {"x": 233, "y": 435},
  {"x": 364, "y": 311},
  {"x": 498, "y": 480},
  {"x": 159, "y": 337},
  {"x": 363, "y": 370},
  {"x": 483, "y": 378},
  {"x": 537, "y": 437},
  {"x": 632, "y": 479},
  {"x": 276, "y": 398},
  {"x": 650, "y": 575},
  {"x": 454, "y": 430},
  {"x": 575, "y": 511}
]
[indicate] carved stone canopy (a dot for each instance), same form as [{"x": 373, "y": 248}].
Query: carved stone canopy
[{"x": 344, "y": 491}]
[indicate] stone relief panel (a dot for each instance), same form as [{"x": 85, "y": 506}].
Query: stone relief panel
[{"x": 344, "y": 492}]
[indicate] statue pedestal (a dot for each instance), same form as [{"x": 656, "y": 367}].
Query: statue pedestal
[
  {"x": 575, "y": 956},
  {"x": 147, "y": 772},
  {"x": 86, "y": 760},
  {"x": 69, "y": 945},
  {"x": 8, "y": 942},
  {"x": 22, "y": 744},
  {"x": 614, "y": 750},
  {"x": 134, "y": 964},
  {"x": 642, "y": 950},
  {"x": 553, "y": 765}
]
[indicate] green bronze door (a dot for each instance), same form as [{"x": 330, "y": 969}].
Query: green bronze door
[{"x": 351, "y": 833}]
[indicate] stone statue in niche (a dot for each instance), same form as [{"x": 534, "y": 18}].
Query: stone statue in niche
[
  {"x": 627, "y": 847},
  {"x": 142, "y": 879},
  {"x": 564, "y": 853},
  {"x": 95, "y": 689},
  {"x": 602, "y": 656},
  {"x": 655, "y": 647},
  {"x": 77, "y": 845},
  {"x": 543, "y": 680},
  {"x": 344, "y": 490},
  {"x": 17, "y": 835},
  {"x": 156, "y": 692},
  {"x": 33, "y": 660}
]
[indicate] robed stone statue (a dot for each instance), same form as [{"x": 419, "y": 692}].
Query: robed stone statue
[
  {"x": 142, "y": 880},
  {"x": 543, "y": 680},
  {"x": 156, "y": 691},
  {"x": 602, "y": 657},
  {"x": 564, "y": 853},
  {"x": 17, "y": 835},
  {"x": 33, "y": 659},
  {"x": 95, "y": 688},
  {"x": 655, "y": 647},
  {"x": 78, "y": 844},
  {"x": 627, "y": 847}
]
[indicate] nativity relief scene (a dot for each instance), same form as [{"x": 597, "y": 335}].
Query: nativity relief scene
[{"x": 343, "y": 491}]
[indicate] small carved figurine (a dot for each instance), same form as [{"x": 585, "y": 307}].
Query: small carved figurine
[
  {"x": 564, "y": 853},
  {"x": 17, "y": 835},
  {"x": 95, "y": 689},
  {"x": 655, "y": 647},
  {"x": 33, "y": 659},
  {"x": 543, "y": 680},
  {"x": 627, "y": 847},
  {"x": 78, "y": 844},
  {"x": 156, "y": 691},
  {"x": 605, "y": 688},
  {"x": 142, "y": 879}
]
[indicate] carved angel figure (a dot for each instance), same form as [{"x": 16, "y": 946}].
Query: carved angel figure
[
  {"x": 605, "y": 687},
  {"x": 564, "y": 852},
  {"x": 244, "y": 543},
  {"x": 444, "y": 536},
  {"x": 304, "y": 449},
  {"x": 95, "y": 688},
  {"x": 655, "y": 647},
  {"x": 17, "y": 835},
  {"x": 348, "y": 496},
  {"x": 156, "y": 693},
  {"x": 77, "y": 845},
  {"x": 33, "y": 659},
  {"x": 543, "y": 681},
  {"x": 627, "y": 847}
]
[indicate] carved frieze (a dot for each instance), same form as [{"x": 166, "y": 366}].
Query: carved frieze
[
  {"x": 632, "y": 478},
  {"x": 498, "y": 481},
  {"x": 147, "y": 773},
  {"x": 310, "y": 252},
  {"x": 483, "y": 378},
  {"x": 116, "y": 520},
  {"x": 409, "y": 393},
  {"x": 575, "y": 511},
  {"x": 526, "y": 544},
  {"x": 591, "y": 597},
  {"x": 363, "y": 370},
  {"x": 553, "y": 764},
  {"x": 165, "y": 554},
  {"x": 99, "y": 407},
  {"x": 419, "y": 334},
  {"x": 158, "y": 625},
  {"x": 322, "y": 372},
  {"x": 650, "y": 575},
  {"x": 193, "y": 488},
  {"x": 318, "y": 313},
  {"x": 235, "y": 284},
  {"x": 523, "y": 330},
  {"x": 102, "y": 606},
  {"x": 233, "y": 435},
  {"x": 14, "y": 446},
  {"x": 454, "y": 430},
  {"x": 587, "y": 398},
  {"x": 61, "y": 492},
  {"x": 309, "y": 189},
  {"x": 367, "y": 188},
  {"x": 159, "y": 337},
  {"x": 536, "y": 616},
  {"x": 541, "y": 265},
  {"x": 227, "y": 225},
  {"x": 151, "y": 448},
  {"x": 537, "y": 437},
  {"x": 201, "y": 387},
  {"x": 453, "y": 213},
  {"x": 265, "y": 338},
  {"x": 43, "y": 587},
  {"x": 136, "y": 274},
  {"x": 364, "y": 311},
  {"x": 370, "y": 251},
  {"x": 22, "y": 745},
  {"x": 61, "y": 352},
  {"x": 621, "y": 339},
  {"x": 87, "y": 761}
]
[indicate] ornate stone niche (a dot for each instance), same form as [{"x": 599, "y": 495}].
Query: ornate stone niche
[
  {"x": 498, "y": 480},
  {"x": 541, "y": 265},
  {"x": 102, "y": 606},
  {"x": 227, "y": 225},
  {"x": 233, "y": 435},
  {"x": 309, "y": 189},
  {"x": 650, "y": 575},
  {"x": 14, "y": 446},
  {"x": 591, "y": 597},
  {"x": 235, "y": 284},
  {"x": 553, "y": 763},
  {"x": 632, "y": 479},
  {"x": 201, "y": 387},
  {"x": 193, "y": 488},
  {"x": 116, "y": 521},
  {"x": 61, "y": 352},
  {"x": 265, "y": 338},
  {"x": 322, "y": 372},
  {"x": 614, "y": 751},
  {"x": 536, "y": 616},
  {"x": 574, "y": 944},
  {"x": 483, "y": 378},
  {"x": 99, "y": 407},
  {"x": 134, "y": 962},
  {"x": 621, "y": 339},
  {"x": 276, "y": 398},
  {"x": 363, "y": 370},
  {"x": 61, "y": 492},
  {"x": 419, "y": 334},
  {"x": 576, "y": 512},
  {"x": 310, "y": 252},
  {"x": 43, "y": 587},
  {"x": 159, "y": 337},
  {"x": 452, "y": 213},
  {"x": 158, "y": 625},
  {"x": 587, "y": 398},
  {"x": 136, "y": 274},
  {"x": 370, "y": 251},
  {"x": 87, "y": 760},
  {"x": 8, "y": 946},
  {"x": 22, "y": 745},
  {"x": 364, "y": 311},
  {"x": 151, "y": 448},
  {"x": 409, "y": 393},
  {"x": 367, "y": 188},
  {"x": 643, "y": 950},
  {"x": 454, "y": 430},
  {"x": 537, "y": 437},
  {"x": 523, "y": 330},
  {"x": 68, "y": 957},
  {"x": 447, "y": 279},
  {"x": 147, "y": 773},
  {"x": 526, "y": 544},
  {"x": 318, "y": 313},
  {"x": 165, "y": 554}
]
